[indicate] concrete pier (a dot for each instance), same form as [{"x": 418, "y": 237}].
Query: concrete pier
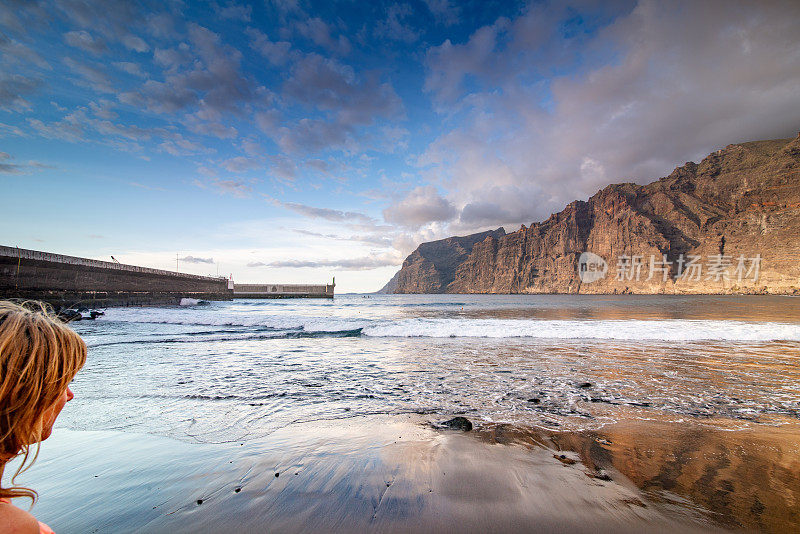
[
  {"x": 67, "y": 281},
  {"x": 283, "y": 291}
]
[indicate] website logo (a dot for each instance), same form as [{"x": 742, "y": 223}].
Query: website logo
[{"x": 591, "y": 267}]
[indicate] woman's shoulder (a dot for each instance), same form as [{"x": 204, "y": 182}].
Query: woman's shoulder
[{"x": 14, "y": 520}]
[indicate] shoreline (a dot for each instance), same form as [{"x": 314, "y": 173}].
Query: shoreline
[{"x": 398, "y": 474}]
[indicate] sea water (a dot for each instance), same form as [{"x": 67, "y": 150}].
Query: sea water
[{"x": 232, "y": 371}]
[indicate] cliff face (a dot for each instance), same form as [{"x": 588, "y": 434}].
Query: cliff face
[
  {"x": 736, "y": 215},
  {"x": 432, "y": 267}
]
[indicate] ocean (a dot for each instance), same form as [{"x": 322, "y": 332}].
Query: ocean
[{"x": 232, "y": 371}]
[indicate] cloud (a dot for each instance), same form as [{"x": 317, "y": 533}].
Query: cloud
[
  {"x": 369, "y": 239},
  {"x": 240, "y": 164},
  {"x": 84, "y": 40},
  {"x": 233, "y": 11},
  {"x": 135, "y": 43},
  {"x": 319, "y": 32},
  {"x": 68, "y": 129},
  {"x": 236, "y": 188},
  {"x": 92, "y": 75},
  {"x": 13, "y": 90},
  {"x": 131, "y": 68},
  {"x": 394, "y": 27},
  {"x": 450, "y": 64},
  {"x": 444, "y": 11},
  {"x": 421, "y": 206},
  {"x": 7, "y": 130},
  {"x": 283, "y": 168},
  {"x": 650, "y": 88},
  {"x": 205, "y": 73},
  {"x": 15, "y": 53},
  {"x": 325, "y": 213},
  {"x": 363, "y": 263},
  {"x": 276, "y": 52},
  {"x": 309, "y": 136},
  {"x": 6, "y": 167},
  {"x": 329, "y": 85},
  {"x": 192, "y": 259}
]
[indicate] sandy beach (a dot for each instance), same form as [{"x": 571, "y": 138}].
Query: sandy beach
[{"x": 399, "y": 474}]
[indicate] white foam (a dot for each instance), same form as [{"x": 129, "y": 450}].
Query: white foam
[
  {"x": 654, "y": 330},
  {"x": 633, "y": 329}
]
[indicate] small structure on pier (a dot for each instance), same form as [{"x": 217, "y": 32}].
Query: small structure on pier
[{"x": 283, "y": 291}]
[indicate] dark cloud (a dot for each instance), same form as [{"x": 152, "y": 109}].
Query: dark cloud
[
  {"x": 308, "y": 136},
  {"x": 13, "y": 90},
  {"x": 192, "y": 259},
  {"x": 327, "y": 84},
  {"x": 207, "y": 74},
  {"x": 84, "y": 40}
]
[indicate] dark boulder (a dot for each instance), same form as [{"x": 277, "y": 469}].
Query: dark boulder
[{"x": 458, "y": 423}]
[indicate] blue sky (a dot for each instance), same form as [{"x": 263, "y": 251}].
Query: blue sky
[{"x": 291, "y": 140}]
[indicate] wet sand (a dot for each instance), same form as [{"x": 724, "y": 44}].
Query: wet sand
[{"x": 398, "y": 474}]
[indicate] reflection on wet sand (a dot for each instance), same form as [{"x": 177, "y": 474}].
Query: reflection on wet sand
[
  {"x": 373, "y": 474},
  {"x": 737, "y": 477}
]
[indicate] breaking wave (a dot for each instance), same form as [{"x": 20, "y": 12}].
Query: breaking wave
[{"x": 257, "y": 326}]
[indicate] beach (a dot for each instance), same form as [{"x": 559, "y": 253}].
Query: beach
[{"x": 589, "y": 414}]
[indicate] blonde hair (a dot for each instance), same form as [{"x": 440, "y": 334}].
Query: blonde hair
[{"x": 39, "y": 357}]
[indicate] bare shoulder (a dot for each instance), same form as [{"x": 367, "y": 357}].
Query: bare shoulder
[{"x": 14, "y": 520}]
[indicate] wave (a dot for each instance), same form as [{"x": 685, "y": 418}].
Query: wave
[
  {"x": 233, "y": 325},
  {"x": 646, "y": 330}
]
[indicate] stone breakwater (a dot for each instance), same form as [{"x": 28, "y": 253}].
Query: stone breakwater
[
  {"x": 72, "y": 281},
  {"x": 737, "y": 208}
]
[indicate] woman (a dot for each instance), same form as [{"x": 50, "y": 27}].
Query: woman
[{"x": 39, "y": 356}]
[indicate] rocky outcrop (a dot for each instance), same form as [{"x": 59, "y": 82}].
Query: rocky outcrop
[
  {"x": 730, "y": 224},
  {"x": 432, "y": 267}
]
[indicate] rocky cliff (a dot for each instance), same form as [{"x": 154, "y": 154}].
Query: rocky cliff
[{"x": 730, "y": 224}]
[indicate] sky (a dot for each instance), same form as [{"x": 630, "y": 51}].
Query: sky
[{"x": 291, "y": 141}]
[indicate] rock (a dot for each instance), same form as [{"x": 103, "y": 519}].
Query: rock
[
  {"x": 277, "y": 475},
  {"x": 458, "y": 423},
  {"x": 585, "y": 385},
  {"x": 742, "y": 200},
  {"x": 535, "y": 400},
  {"x": 199, "y": 501},
  {"x": 69, "y": 315},
  {"x": 564, "y": 459}
]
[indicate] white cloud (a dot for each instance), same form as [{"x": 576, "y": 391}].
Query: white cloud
[{"x": 422, "y": 205}]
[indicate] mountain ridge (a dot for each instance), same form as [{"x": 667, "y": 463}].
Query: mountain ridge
[{"x": 739, "y": 203}]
